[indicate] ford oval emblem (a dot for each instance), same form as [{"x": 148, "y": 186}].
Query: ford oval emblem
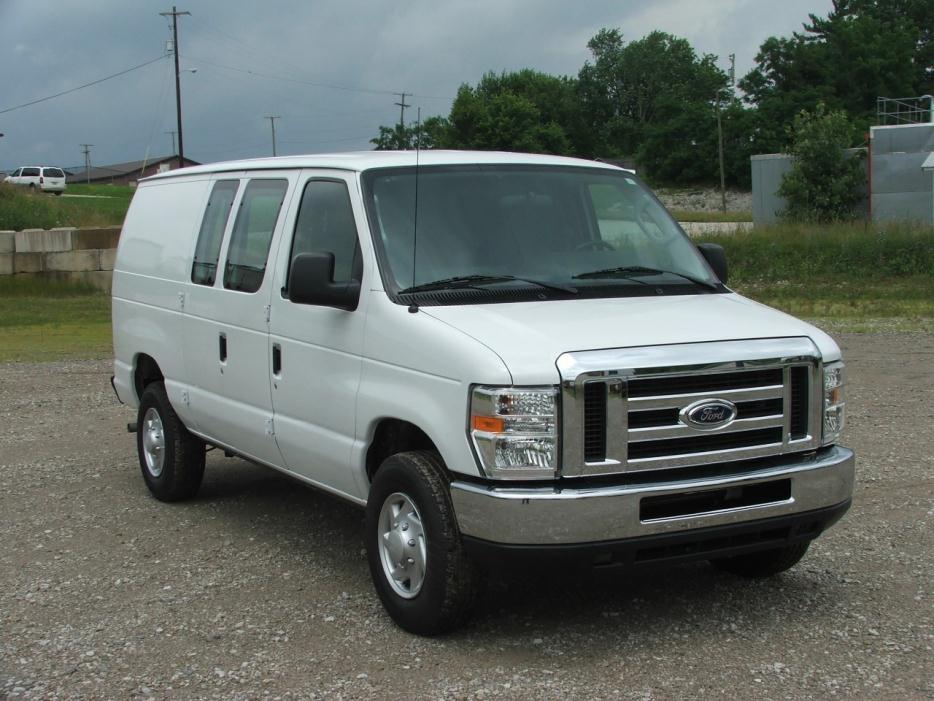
[{"x": 709, "y": 414}]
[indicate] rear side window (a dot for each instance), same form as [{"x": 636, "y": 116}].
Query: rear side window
[
  {"x": 325, "y": 223},
  {"x": 204, "y": 267},
  {"x": 30, "y": 172},
  {"x": 53, "y": 173},
  {"x": 252, "y": 234}
]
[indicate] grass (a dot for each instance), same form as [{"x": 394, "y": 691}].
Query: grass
[
  {"x": 847, "y": 277},
  {"x": 43, "y": 320},
  {"x": 686, "y": 215},
  {"x": 811, "y": 253},
  {"x": 21, "y": 208}
]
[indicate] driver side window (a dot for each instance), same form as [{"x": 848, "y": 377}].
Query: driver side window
[{"x": 325, "y": 223}]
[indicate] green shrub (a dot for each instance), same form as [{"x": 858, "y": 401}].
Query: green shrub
[{"x": 824, "y": 184}]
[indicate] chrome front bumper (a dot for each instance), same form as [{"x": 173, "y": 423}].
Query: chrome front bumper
[{"x": 575, "y": 515}]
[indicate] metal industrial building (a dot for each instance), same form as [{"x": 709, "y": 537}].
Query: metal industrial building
[{"x": 899, "y": 165}]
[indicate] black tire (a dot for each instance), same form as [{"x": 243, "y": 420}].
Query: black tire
[
  {"x": 766, "y": 563},
  {"x": 451, "y": 583},
  {"x": 182, "y": 464}
]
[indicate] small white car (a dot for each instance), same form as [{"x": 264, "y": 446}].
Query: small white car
[
  {"x": 499, "y": 357},
  {"x": 44, "y": 178}
]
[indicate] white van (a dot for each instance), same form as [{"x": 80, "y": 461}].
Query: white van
[
  {"x": 43, "y": 178},
  {"x": 497, "y": 355}
]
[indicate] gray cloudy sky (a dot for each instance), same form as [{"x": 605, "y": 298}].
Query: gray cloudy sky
[{"x": 375, "y": 47}]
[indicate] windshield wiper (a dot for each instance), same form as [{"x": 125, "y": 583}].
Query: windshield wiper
[
  {"x": 476, "y": 281},
  {"x": 634, "y": 271}
]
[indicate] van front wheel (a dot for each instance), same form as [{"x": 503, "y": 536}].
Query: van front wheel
[
  {"x": 413, "y": 544},
  {"x": 171, "y": 458}
]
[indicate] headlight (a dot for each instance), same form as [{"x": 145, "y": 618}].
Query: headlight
[
  {"x": 515, "y": 431},
  {"x": 834, "y": 404}
]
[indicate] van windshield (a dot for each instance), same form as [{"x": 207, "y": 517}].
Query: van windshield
[{"x": 494, "y": 231}]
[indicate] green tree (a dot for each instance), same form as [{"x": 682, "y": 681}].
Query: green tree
[
  {"x": 629, "y": 88},
  {"x": 824, "y": 184},
  {"x": 862, "y": 50},
  {"x": 520, "y": 111},
  {"x": 433, "y": 133}
]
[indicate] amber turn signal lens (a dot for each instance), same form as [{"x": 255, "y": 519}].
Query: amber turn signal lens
[{"x": 488, "y": 424}]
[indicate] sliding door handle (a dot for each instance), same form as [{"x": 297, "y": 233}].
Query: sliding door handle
[
  {"x": 222, "y": 347},
  {"x": 276, "y": 359}
]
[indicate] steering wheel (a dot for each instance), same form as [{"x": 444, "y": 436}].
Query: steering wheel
[{"x": 595, "y": 245}]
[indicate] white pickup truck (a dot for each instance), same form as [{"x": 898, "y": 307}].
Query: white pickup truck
[{"x": 496, "y": 355}]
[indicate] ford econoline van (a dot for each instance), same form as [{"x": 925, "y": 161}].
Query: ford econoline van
[{"x": 498, "y": 356}]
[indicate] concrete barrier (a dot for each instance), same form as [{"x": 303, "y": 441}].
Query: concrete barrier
[
  {"x": 7, "y": 241},
  {"x": 83, "y": 239},
  {"x": 73, "y": 261},
  {"x": 78, "y": 255},
  {"x": 44, "y": 240},
  {"x": 28, "y": 263}
]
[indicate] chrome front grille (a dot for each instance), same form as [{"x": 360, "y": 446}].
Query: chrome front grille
[{"x": 624, "y": 409}]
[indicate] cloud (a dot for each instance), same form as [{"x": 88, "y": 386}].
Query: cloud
[{"x": 424, "y": 47}]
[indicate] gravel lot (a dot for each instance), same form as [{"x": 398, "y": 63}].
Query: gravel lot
[{"x": 259, "y": 588}]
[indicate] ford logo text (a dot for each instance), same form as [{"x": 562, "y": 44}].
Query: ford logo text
[{"x": 709, "y": 414}]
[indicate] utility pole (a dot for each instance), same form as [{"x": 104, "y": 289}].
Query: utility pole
[
  {"x": 175, "y": 14},
  {"x": 272, "y": 123},
  {"x": 401, "y": 105},
  {"x": 86, "y": 150},
  {"x": 173, "y": 133},
  {"x": 732, "y": 77}
]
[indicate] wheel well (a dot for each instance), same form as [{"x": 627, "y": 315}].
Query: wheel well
[
  {"x": 394, "y": 436},
  {"x": 147, "y": 372}
]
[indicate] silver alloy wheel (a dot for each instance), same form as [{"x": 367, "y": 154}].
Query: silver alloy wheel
[
  {"x": 153, "y": 442},
  {"x": 402, "y": 545}
]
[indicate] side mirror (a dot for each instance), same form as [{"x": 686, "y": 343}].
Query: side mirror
[
  {"x": 311, "y": 281},
  {"x": 716, "y": 257}
]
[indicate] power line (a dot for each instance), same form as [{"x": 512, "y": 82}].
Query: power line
[
  {"x": 80, "y": 87},
  {"x": 290, "y": 80},
  {"x": 263, "y": 52},
  {"x": 330, "y": 86}
]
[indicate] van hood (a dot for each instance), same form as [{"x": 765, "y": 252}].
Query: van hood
[{"x": 530, "y": 336}]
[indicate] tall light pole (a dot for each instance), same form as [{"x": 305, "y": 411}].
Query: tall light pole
[{"x": 175, "y": 14}]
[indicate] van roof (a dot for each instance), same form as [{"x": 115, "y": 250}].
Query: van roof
[{"x": 365, "y": 160}]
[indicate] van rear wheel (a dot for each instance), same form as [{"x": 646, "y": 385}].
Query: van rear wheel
[
  {"x": 417, "y": 561},
  {"x": 171, "y": 458}
]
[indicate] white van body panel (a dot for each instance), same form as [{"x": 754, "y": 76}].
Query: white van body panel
[
  {"x": 314, "y": 394},
  {"x": 232, "y": 398},
  {"x": 153, "y": 259},
  {"x": 436, "y": 364},
  {"x": 530, "y": 336}
]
